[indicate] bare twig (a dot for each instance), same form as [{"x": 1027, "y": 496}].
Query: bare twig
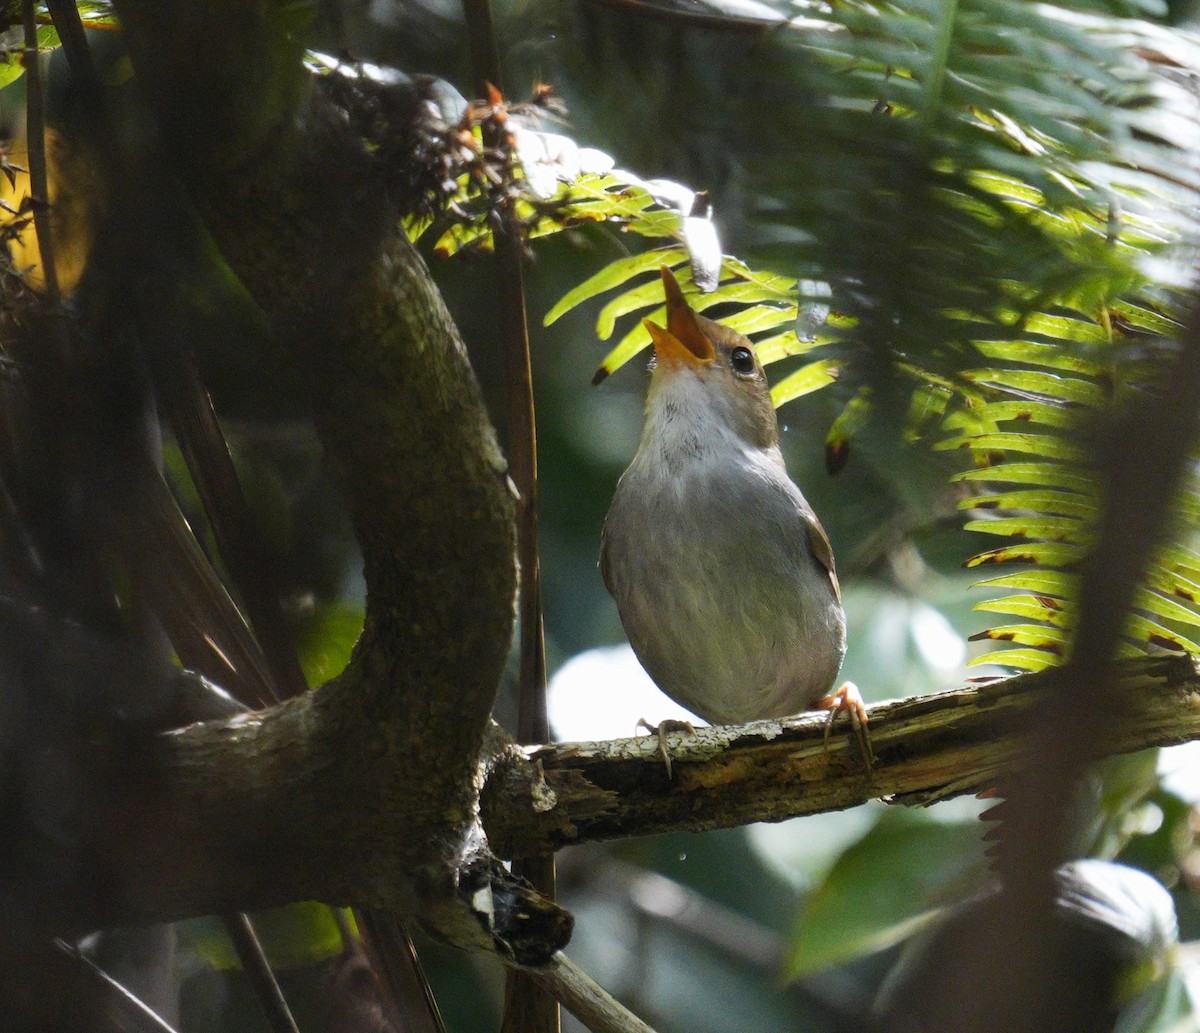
[
  {"x": 526, "y": 1007},
  {"x": 586, "y": 999},
  {"x": 258, "y": 971}
]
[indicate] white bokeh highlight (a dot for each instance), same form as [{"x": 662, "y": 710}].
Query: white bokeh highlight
[{"x": 603, "y": 693}]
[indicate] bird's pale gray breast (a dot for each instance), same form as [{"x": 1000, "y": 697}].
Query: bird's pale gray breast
[{"x": 719, "y": 591}]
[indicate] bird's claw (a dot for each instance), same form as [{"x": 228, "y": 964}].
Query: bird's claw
[
  {"x": 661, "y": 729},
  {"x": 846, "y": 699}
]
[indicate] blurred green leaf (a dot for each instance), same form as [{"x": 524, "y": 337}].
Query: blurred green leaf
[
  {"x": 1057, "y": 584},
  {"x": 1169, "y": 1005},
  {"x": 1048, "y": 474},
  {"x": 327, "y": 641},
  {"x": 97, "y": 14},
  {"x": 1054, "y": 503},
  {"x": 292, "y": 936},
  {"x": 884, "y": 887},
  {"x": 12, "y": 66}
]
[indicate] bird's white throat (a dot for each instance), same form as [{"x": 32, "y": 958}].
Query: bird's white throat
[{"x": 689, "y": 426}]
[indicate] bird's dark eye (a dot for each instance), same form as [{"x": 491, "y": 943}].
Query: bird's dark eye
[{"x": 742, "y": 360}]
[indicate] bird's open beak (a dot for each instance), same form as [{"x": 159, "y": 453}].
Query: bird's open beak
[{"x": 683, "y": 342}]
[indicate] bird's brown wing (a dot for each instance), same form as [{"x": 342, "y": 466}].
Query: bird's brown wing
[{"x": 818, "y": 542}]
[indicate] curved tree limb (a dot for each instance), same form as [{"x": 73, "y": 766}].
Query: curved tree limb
[{"x": 253, "y": 808}]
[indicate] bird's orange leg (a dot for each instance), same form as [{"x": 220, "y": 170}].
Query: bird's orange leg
[{"x": 846, "y": 699}]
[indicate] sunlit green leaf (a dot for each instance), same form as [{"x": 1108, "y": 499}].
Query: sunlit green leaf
[
  {"x": 1044, "y": 445},
  {"x": 96, "y": 14},
  {"x": 1040, "y": 581},
  {"x": 643, "y": 296},
  {"x": 805, "y": 380},
  {"x": 615, "y": 274},
  {"x": 1049, "y": 554},
  {"x": 1053, "y": 640},
  {"x": 758, "y": 319},
  {"x": 1055, "y": 503},
  {"x": 1024, "y": 411},
  {"x": 11, "y": 65},
  {"x": 1049, "y": 474},
  {"x": 1041, "y": 608},
  {"x": 1022, "y": 659},
  {"x": 1155, "y": 634},
  {"x": 1168, "y": 609},
  {"x": 1039, "y": 384},
  {"x": 11, "y": 68},
  {"x": 1035, "y": 527},
  {"x": 771, "y": 349}
]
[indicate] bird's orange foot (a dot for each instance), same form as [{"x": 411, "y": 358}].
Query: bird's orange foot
[
  {"x": 846, "y": 699},
  {"x": 660, "y": 730}
]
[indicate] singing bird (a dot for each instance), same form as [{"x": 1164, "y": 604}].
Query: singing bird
[{"x": 722, "y": 574}]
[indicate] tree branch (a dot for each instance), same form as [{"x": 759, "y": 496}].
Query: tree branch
[
  {"x": 363, "y": 791},
  {"x": 927, "y": 748}
]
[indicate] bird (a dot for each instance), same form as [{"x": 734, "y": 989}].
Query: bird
[{"x": 722, "y": 574}]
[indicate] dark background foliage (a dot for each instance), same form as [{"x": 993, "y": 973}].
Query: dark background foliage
[{"x": 791, "y": 926}]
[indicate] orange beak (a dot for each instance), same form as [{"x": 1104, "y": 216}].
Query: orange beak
[{"x": 683, "y": 343}]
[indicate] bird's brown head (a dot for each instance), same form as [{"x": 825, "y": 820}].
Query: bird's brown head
[{"x": 734, "y": 384}]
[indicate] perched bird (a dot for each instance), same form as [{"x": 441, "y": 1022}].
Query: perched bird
[{"x": 722, "y": 574}]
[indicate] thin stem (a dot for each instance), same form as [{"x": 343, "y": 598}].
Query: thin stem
[
  {"x": 258, "y": 971},
  {"x": 207, "y": 455},
  {"x": 532, "y": 723},
  {"x": 586, "y": 999},
  {"x": 130, "y": 1014},
  {"x": 65, "y": 15},
  {"x": 527, "y": 1007},
  {"x": 408, "y": 997},
  {"x": 35, "y": 134}
]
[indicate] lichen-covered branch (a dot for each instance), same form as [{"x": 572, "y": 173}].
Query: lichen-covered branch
[{"x": 926, "y": 748}]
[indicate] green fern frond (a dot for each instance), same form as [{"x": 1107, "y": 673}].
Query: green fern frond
[
  {"x": 1054, "y": 506},
  {"x": 764, "y": 303},
  {"x": 1008, "y": 201},
  {"x": 987, "y": 192}
]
